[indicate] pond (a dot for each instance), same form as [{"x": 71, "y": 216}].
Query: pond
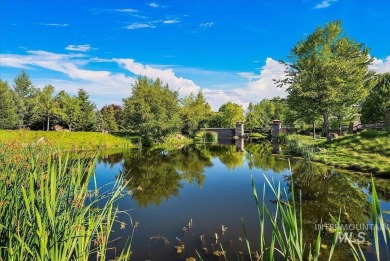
[{"x": 193, "y": 193}]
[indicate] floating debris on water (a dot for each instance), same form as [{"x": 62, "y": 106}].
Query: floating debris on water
[
  {"x": 179, "y": 249},
  {"x": 162, "y": 238},
  {"x": 219, "y": 253}
]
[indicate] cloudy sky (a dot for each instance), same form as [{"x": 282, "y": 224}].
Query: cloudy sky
[{"x": 227, "y": 49}]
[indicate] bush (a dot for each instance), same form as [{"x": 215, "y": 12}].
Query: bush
[{"x": 206, "y": 136}]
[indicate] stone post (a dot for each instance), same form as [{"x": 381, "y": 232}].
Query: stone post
[
  {"x": 275, "y": 128},
  {"x": 386, "y": 125},
  {"x": 239, "y": 129}
]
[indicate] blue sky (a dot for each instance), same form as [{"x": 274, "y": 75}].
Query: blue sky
[{"x": 227, "y": 49}]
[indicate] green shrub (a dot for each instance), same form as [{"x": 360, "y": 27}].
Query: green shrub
[{"x": 206, "y": 136}]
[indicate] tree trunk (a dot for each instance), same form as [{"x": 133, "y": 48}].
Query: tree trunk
[
  {"x": 250, "y": 131},
  {"x": 70, "y": 127},
  {"x": 327, "y": 127},
  {"x": 43, "y": 125},
  {"x": 314, "y": 129},
  {"x": 341, "y": 133},
  {"x": 48, "y": 123}
]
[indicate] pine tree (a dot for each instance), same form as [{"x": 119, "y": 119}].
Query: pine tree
[
  {"x": 86, "y": 118},
  {"x": 8, "y": 116}
]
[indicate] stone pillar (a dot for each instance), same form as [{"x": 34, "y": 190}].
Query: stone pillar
[
  {"x": 239, "y": 129},
  {"x": 386, "y": 124},
  {"x": 275, "y": 128},
  {"x": 240, "y": 145}
]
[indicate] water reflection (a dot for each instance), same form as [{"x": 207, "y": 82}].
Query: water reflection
[{"x": 195, "y": 182}]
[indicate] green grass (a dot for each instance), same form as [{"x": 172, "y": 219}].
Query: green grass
[
  {"x": 368, "y": 151},
  {"x": 65, "y": 140},
  {"x": 49, "y": 212},
  {"x": 172, "y": 142}
]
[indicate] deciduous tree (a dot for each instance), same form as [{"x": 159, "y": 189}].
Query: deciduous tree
[
  {"x": 152, "y": 110},
  {"x": 327, "y": 72}
]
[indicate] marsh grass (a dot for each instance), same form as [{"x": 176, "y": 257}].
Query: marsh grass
[{"x": 49, "y": 212}]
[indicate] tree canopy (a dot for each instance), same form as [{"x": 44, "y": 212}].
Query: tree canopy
[
  {"x": 195, "y": 113},
  {"x": 8, "y": 115},
  {"x": 152, "y": 110},
  {"x": 373, "y": 108},
  {"x": 327, "y": 74},
  {"x": 230, "y": 113}
]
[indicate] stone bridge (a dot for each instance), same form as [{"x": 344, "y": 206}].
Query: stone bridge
[{"x": 228, "y": 133}]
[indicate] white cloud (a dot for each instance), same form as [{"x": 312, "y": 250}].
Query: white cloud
[
  {"x": 324, "y": 4},
  {"x": 53, "y": 24},
  {"x": 381, "y": 66},
  {"x": 184, "y": 86},
  {"x": 154, "y": 5},
  {"x": 79, "y": 48},
  {"x": 171, "y": 21},
  {"x": 209, "y": 24},
  {"x": 127, "y": 10},
  {"x": 99, "y": 84},
  {"x": 103, "y": 85},
  {"x": 139, "y": 26}
]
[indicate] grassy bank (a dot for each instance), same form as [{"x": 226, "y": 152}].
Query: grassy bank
[
  {"x": 65, "y": 140},
  {"x": 368, "y": 151}
]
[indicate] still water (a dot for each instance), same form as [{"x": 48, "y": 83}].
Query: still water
[{"x": 187, "y": 195}]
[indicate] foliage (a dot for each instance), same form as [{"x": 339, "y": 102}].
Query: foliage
[
  {"x": 373, "y": 108},
  {"x": 47, "y": 107},
  {"x": 206, "y": 136},
  {"x": 327, "y": 74},
  {"x": 86, "y": 118},
  {"x": 152, "y": 110},
  {"x": 230, "y": 113},
  {"x": 195, "y": 113},
  {"x": 48, "y": 211},
  {"x": 70, "y": 108},
  {"x": 8, "y": 114},
  {"x": 25, "y": 95},
  {"x": 109, "y": 116}
]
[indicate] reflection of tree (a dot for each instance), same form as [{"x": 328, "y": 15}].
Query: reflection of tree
[
  {"x": 260, "y": 156},
  {"x": 228, "y": 155},
  {"x": 325, "y": 192},
  {"x": 159, "y": 172}
]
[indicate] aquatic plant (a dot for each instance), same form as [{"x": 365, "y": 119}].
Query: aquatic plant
[
  {"x": 48, "y": 210},
  {"x": 287, "y": 239}
]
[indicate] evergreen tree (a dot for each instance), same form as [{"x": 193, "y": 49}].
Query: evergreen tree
[
  {"x": 86, "y": 118},
  {"x": 8, "y": 115},
  {"x": 108, "y": 118}
]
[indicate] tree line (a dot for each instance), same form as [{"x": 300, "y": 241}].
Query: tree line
[
  {"x": 328, "y": 83},
  {"x": 153, "y": 110}
]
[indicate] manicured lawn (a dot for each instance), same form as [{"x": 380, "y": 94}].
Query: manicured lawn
[
  {"x": 368, "y": 151},
  {"x": 65, "y": 140}
]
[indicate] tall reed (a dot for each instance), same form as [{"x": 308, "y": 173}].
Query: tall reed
[
  {"x": 287, "y": 239},
  {"x": 48, "y": 210}
]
